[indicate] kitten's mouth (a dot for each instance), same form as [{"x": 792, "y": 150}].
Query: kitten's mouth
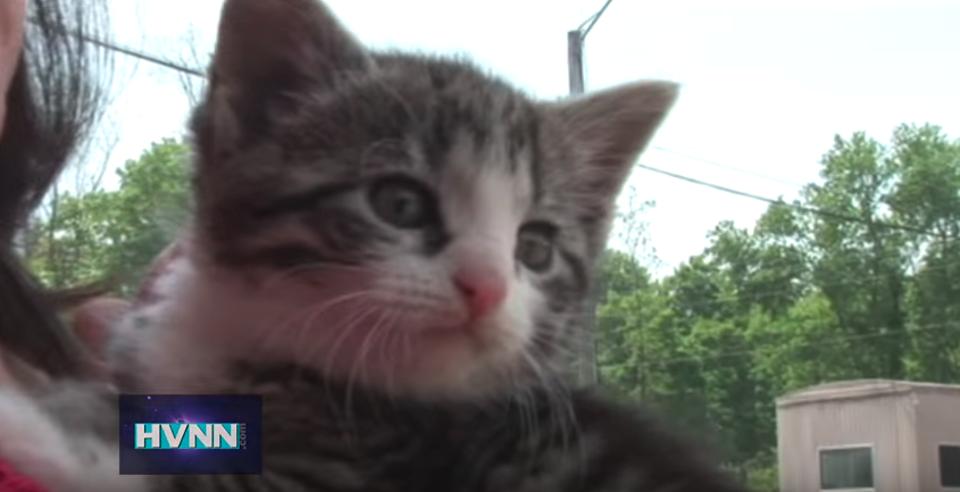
[
  {"x": 443, "y": 332},
  {"x": 476, "y": 333}
]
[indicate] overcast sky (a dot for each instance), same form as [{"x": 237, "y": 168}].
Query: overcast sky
[{"x": 765, "y": 83}]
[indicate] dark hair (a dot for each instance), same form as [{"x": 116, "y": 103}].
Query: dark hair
[{"x": 54, "y": 101}]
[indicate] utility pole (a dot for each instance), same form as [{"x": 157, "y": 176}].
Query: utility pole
[
  {"x": 587, "y": 373},
  {"x": 575, "y": 61}
]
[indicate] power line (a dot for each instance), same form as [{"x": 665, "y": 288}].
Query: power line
[
  {"x": 858, "y": 281},
  {"x": 149, "y": 58},
  {"x": 802, "y": 208},
  {"x": 833, "y": 341},
  {"x": 729, "y": 167},
  {"x": 593, "y": 20},
  {"x": 129, "y": 51}
]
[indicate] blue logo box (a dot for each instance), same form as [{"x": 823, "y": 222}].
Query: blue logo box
[{"x": 190, "y": 434}]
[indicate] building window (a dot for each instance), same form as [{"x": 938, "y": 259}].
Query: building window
[
  {"x": 950, "y": 465},
  {"x": 846, "y": 468}
]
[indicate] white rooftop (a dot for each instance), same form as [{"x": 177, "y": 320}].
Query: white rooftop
[{"x": 860, "y": 388}]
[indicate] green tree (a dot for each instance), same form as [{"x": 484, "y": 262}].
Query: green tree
[
  {"x": 928, "y": 197},
  {"x": 867, "y": 287},
  {"x": 860, "y": 264},
  {"x": 113, "y": 235}
]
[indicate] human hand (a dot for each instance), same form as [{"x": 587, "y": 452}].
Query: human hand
[{"x": 95, "y": 321}]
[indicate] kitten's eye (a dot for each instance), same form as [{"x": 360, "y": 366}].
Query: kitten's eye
[
  {"x": 402, "y": 202},
  {"x": 535, "y": 246}
]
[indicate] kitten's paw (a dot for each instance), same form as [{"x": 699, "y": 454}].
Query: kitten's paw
[{"x": 39, "y": 448}]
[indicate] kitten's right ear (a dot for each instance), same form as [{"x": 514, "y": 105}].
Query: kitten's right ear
[
  {"x": 271, "y": 49},
  {"x": 609, "y": 129}
]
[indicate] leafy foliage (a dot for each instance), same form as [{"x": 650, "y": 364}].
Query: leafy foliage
[
  {"x": 113, "y": 235},
  {"x": 870, "y": 289}
]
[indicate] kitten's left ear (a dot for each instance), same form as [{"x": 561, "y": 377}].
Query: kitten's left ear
[
  {"x": 270, "y": 50},
  {"x": 273, "y": 45},
  {"x": 609, "y": 129}
]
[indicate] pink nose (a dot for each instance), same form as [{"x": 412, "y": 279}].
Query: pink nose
[{"x": 482, "y": 289}]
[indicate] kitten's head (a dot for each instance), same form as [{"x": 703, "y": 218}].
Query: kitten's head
[{"x": 423, "y": 227}]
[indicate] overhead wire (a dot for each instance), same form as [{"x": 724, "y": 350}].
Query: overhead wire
[
  {"x": 728, "y": 167},
  {"x": 179, "y": 67},
  {"x": 592, "y": 20},
  {"x": 830, "y": 341},
  {"x": 830, "y": 214}
]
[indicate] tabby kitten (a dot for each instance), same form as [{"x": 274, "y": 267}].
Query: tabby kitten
[
  {"x": 394, "y": 250},
  {"x": 402, "y": 222}
]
